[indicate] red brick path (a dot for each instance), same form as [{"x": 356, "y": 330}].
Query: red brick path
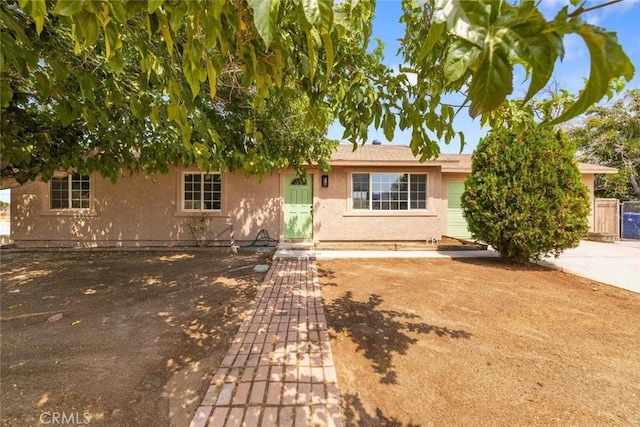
[{"x": 279, "y": 370}]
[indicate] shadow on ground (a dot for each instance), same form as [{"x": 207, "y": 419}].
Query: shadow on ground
[
  {"x": 356, "y": 415},
  {"x": 135, "y": 337},
  {"x": 378, "y": 333}
]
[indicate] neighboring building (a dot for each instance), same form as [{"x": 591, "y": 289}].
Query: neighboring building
[{"x": 376, "y": 193}]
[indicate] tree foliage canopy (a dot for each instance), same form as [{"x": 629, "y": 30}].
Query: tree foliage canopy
[
  {"x": 525, "y": 195},
  {"x": 610, "y": 136},
  {"x": 113, "y": 85}
]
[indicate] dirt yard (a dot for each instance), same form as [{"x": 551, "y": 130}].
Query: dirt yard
[
  {"x": 139, "y": 336},
  {"x": 477, "y": 342}
]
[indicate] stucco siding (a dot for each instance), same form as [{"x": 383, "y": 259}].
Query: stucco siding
[
  {"x": 588, "y": 180},
  {"x": 335, "y": 220},
  {"x": 147, "y": 211},
  {"x": 141, "y": 211}
]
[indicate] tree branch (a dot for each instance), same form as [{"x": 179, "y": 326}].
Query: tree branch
[
  {"x": 634, "y": 184},
  {"x": 580, "y": 10}
]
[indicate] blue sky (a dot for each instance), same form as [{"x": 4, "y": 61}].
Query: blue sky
[{"x": 622, "y": 18}]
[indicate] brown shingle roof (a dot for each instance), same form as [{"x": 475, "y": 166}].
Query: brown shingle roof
[
  {"x": 391, "y": 155},
  {"x": 400, "y": 155}
]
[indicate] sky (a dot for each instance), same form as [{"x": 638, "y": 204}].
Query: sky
[{"x": 622, "y": 18}]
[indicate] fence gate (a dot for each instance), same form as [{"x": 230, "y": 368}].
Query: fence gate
[
  {"x": 630, "y": 220},
  {"x": 606, "y": 217}
]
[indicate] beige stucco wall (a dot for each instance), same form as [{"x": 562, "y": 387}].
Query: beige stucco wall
[
  {"x": 335, "y": 220},
  {"x": 146, "y": 211},
  {"x": 142, "y": 211},
  {"x": 588, "y": 180}
]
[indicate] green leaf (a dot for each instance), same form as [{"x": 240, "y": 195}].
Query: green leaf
[
  {"x": 43, "y": 85},
  {"x": 311, "y": 48},
  {"x": 311, "y": 11},
  {"x": 248, "y": 126},
  {"x": 326, "y": 14},
  {"x": 389, "y": 126},
  {"x": 88, "y": 24},
  {"x": 87, "y": 84},
  {"x": 328, "y": 47},
  {"x": 174, "y": 90},
  {"x": 166, "y": 33},
  {"x": 6, "y": 93},
  {"x": 38, "y": 12},
  {"x": 462, "y": 142},
  {"x": 154, "y": 5},
  {"x": 112, "y": 39},
  {"x": 64, "y": 113},
  {"x": 435, "y": 33},
  {"x": 608, "y": 61},
  {"x": 318, "y": 12},
  {"x": 212, "y": 75},
  {"x": 177, "y": 14},
  {"x": 154, "y": 115},
  {"x": 528, "y": 37},
  {"x": 491, "y": 83},
  {"x": 136, "y": 107},
  {"x": 94, "y": 6},
  {"x": 116, "y": 62},
  {"x": 119, "y": 12},
  {"x": 468, "y": 20},
  {"x": 68, "y": 7},
  {"x": 17, "y": 28},
  {"x": 265, "y": 13},
  {"x": 173, "y": 111},
  {"x": 462, "y": 54}
]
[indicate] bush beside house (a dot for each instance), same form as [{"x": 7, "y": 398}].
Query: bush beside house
[{"x": 525, "y": 196}]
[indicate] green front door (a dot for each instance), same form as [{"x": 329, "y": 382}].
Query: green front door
[
  {"x": 298, "y": 207},
  {"x": 456, "y": 224}
]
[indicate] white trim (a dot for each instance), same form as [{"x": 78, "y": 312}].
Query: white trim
[
  {"x": 182, "y": 192},
  {"x": 70, "y": 208},
  {"x": 390, "y": 212}
]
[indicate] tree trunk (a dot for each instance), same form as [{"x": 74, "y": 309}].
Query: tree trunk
[{"x": 634, "y": 184}]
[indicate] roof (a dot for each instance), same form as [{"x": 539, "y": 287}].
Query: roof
[
  {"x": 401, "y": 155},
  {"x": 381, "y": 155}
]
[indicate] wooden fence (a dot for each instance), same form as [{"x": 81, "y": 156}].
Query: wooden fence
[{"x": 607, "y": 217}]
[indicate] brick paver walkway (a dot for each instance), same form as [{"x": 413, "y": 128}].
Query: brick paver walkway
[{"x": 279, "y": 370}]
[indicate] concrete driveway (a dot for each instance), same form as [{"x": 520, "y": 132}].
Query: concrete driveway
[{"x": 616, "y": 264}]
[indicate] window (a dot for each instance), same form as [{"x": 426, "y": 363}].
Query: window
[
  {"x": 70, "y": 192},
  {"x": 299, "y": 181},
  {"x": 389, "y": 191},
  {"x": 202, "y": 192}
]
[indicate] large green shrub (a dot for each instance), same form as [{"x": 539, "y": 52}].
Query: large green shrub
[{"x": 525, "y": 196}]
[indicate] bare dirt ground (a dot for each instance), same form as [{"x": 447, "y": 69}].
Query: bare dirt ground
[
  {"x": 140, "y": 335},
  {"x": 479, "y": 342}
]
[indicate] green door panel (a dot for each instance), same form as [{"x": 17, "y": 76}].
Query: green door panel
[
  {"x": 456, "y": 224},
  {"x": 298, "y": 207}
]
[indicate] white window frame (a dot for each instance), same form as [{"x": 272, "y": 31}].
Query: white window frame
[
  {"x": 370, "y": 207},
  {"x": 202, "y": 192},
  {"x": 70, "y": 190}
]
